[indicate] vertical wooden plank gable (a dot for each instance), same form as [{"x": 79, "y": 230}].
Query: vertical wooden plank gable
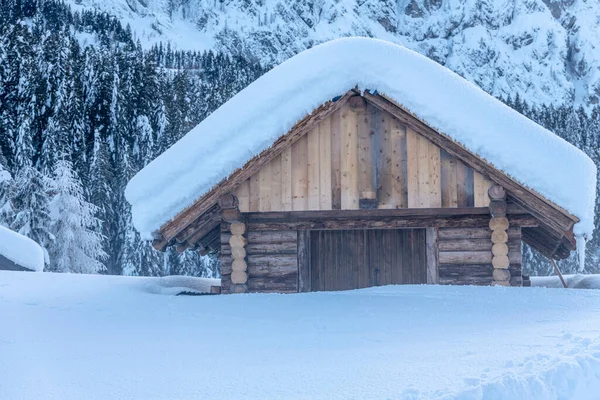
[
  {"x": 349, "y": 147},
  {"x": 448, "y": 180},
  {"x": 265, "y": 184},
  {"x": 286, "y": 179},
  {"x": 435, "y": 182},
  {"x": 336, "y": 160},
  {"x": 254, "y": 192},
  {"x": 325, "y": 161},
  {"x": 423, "y": 165},
  {"x": 398, "y": 197},
  {"x": 276, "y": 184},
  {"x": 243, "y": 195},
  {"x": 366, "y": 161},
  {"x": 300, "y": 175},
  {"x": 412, "y": 167},
  {"x": 313, "y": 168}
]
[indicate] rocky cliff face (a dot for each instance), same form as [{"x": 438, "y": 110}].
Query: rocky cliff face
[{"x": 548, "y": 51}]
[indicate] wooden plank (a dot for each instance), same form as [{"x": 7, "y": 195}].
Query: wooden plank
[
  {"x": 349, "y": 147},
  {"x": 483, "y": 244},
  {"x": 366, "y": 161},
  {"x": 448, "y": 180},
  {"x": 464, "y": 183},
  {"x": 254, "y": 201},
  {"x": 375, "y": 223},
  {"x": 254, "y": 248},
  {"x": 480, "y": 196},
  {"x": 385, "y": 161},
  {"x": 398, "y": 197},
  {"x": 487, "y": 184},
  {"x": 243, "y": 194},
  {"x": 325, "y": 162},
  {"x": 276, "y": 184},
  {"x": 313, "y": 153},
  {"x": 474, "y": 233},
  {"x": 465, "y": 257},
  {"x": 269, "y": 236},
  {"x": 336, "y": 160},
  {"x": 286, "y": 179},
  {"x": 304, "y": 257},
  {"x": 435, "y": 182},
  {"x": 412, "y": 168},
  {"x": 300, "y": 174},
  {"x": 432, "y": 258},
  {"x": 424, "y": 176},
  {"x": 265, "y": 181}
]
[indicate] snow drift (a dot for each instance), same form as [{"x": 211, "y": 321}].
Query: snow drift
[
  {"x": 252, "y": 120},
  {"x": 72, "y": 337},
  {"x": 21, "y": 250}
]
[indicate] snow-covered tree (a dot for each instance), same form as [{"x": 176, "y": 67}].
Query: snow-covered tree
[
  {"x": 6, "y": 193},
  {"x": 31, "y": 206},
  {"x": 77, "y": 244}
]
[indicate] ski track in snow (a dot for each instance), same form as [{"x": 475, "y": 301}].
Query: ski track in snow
[{"x": 100, "y": 337}]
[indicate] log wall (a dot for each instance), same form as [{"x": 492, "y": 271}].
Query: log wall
[
  {"x": 465, "y": 256},
  {"x": 271, "y": 257},
  {"x": 362, "y": 158}
]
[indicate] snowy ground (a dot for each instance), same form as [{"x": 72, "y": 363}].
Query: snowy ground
[{"x": 97, "y": 337}]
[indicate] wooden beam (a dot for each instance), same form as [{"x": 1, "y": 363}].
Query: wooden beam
[
  {"x": 369, "y": 222},
  {"x": 170, "y": 229},
  {"x": 432, "y": 256},
  {"x": 539, "y": 206},
  {"x": 304, "y": 279}
]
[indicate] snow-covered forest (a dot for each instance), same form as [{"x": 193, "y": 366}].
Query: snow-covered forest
[{"x": 83, "y": 107}]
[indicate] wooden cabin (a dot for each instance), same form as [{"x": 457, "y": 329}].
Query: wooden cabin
[{"x": 361, "y": 193}]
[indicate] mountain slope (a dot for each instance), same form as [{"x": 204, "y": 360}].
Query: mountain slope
[{"x": 545, "y": 50}]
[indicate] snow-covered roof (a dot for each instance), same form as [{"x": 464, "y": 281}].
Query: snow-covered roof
[
  {"x": 21, "y": 250},
  {"x": 268, "y": 108}
]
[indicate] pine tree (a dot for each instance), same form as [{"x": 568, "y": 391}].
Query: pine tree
[
  {"x": 7, "y": 188},
  {"x": 77, "y": 244}
]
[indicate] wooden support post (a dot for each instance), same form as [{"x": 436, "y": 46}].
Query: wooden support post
[
  {"x": 237, "y": 241},
  {"x": 499, "y": 227}
]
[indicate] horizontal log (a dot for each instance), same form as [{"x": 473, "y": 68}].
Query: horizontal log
[
  {"x": 516, "y": 280},
  {"x": 499, "y": 236},
  {"x": 237, "y": 241},
  {"x": 500, "y": 249},
  {"x": 465, "y": 257},
  {"x": 500, "y": 262},
  {"x": 370, "y": 213},
  {"x": 272, "y": 260},
  {"x": 278, "y": 271},
  {"x": 287, "y": 284},
  {"x": 272, "y": 248},
  {"x": 501, "y": 274},
  {"x": 474, "y": 233},
  {"x": 238, "y": 288},
  {"x": 239, "y": 265},
  {"x": 497, "y": 192},
  {"x": 238, "y": 253},
  {"x": 271, "y": 236},
  {"x": 237, "y": 228},
  {"x": 474, "y": 270},
  {"x": 383, "y": 223},
  {"x": 498, "y": 208},
  {"x": 232, "y": 215},
  {"x": 467, "y": 281},
  {"x": 500, "y": 283},
  {"x": 465, "y": 245},
  {"x": 239, "y": 277},
  {"x": 498, "y": 223},
  {"x": 228, "y": 200}
]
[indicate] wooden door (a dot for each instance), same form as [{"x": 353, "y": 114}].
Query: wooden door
[{"x": 353, "y": 259}]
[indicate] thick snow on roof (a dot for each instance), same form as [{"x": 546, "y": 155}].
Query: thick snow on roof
[
  {"x": 21, "y": 250},
  {"x": 253, "y": 119}
]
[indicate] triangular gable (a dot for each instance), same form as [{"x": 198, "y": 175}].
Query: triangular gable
[{"x": 189, "y": 223}]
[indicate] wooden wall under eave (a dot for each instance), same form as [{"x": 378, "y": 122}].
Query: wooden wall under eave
[
  {"x": 465, "y": 256},
  {"x": 271, "y": 258},
  {"x": 362, "y": 159}
]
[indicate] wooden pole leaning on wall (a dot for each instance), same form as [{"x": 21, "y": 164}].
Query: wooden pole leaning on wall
[
  {"x": 499, "y": 227},
  {"x": 231, "y": 214}
]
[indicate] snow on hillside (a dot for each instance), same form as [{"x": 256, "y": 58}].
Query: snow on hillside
[
  {"x": 547, "y": 50},
  {"x": 106, "y": 337}
]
